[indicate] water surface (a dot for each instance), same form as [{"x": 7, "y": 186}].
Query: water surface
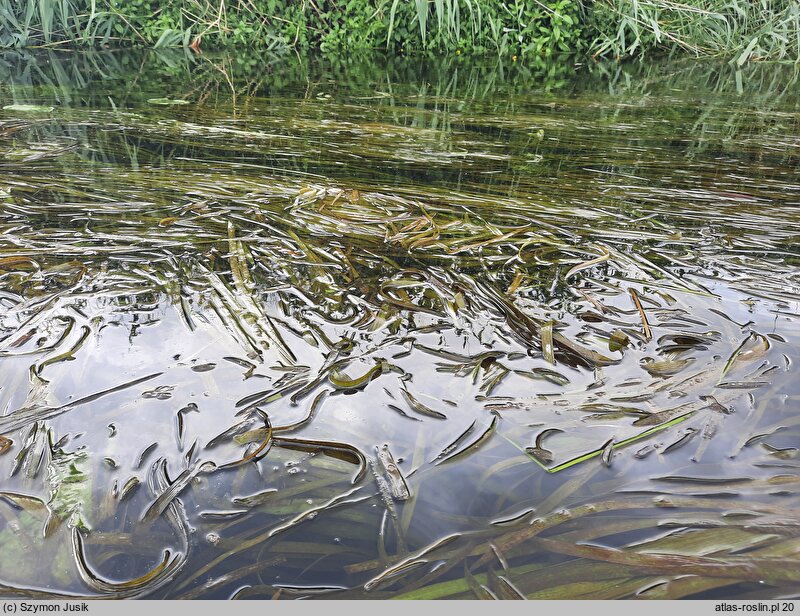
[{"x": 282, "y": 328}]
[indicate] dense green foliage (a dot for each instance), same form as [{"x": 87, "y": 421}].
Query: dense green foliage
[
  {"x": 740, "y": 29},
  {"x": 516, "y": 26}
]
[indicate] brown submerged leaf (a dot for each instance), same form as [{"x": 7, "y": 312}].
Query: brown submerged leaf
[{"x": 665, "y": 368}]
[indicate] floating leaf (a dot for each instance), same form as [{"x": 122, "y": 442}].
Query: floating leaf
[
  {"x": 604, "y": 256},
  {"x": 538, "y": 451},
  {"x": 638, "y": 304},
  {"x": 392, "y": 474},
  {"x": 751, "y": 348},
  {"x": 167, "y": 101},
  {"x": 129, "y": 488},
  {"x": 475, "y": 443},
  {"x": 666, "y": 367},
  {"x": 29, "y": 108},
  {"x": 688, "y": 435},
  {"x": 342, "y": 381},
  {"x": 12, "y": 263},
  {"x": 618, "y": 340},
  {"x": 419, "y": 407},
  {"x": 547, "y": 342},
  {"x": 608, "y": 452}
]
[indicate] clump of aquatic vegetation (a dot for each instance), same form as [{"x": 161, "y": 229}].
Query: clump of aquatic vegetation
[
  {"x": 397, "y": 333},
  {"x": 740, "y": 29}
]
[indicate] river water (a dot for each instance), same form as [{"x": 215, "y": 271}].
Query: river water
[{"x": 274, "y": 327}]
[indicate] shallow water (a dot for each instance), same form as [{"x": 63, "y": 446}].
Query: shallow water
[{"x": 564, "y": 299}]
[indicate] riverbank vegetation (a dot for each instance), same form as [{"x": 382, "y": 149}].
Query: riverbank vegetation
[{"x": 741, "y": 30}]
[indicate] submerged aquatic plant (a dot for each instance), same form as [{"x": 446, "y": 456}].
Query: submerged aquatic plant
[{"x": 358, "y": 373}]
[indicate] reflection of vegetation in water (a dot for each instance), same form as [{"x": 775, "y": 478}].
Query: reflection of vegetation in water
[
  {"x": 341, "y": 325},
  {"x": 448, "y": 89}
]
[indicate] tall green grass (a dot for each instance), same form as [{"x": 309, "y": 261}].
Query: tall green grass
[
  {"x": 741, "y": 30},
  {"x": 510, "y": 27},
  {"x": 103, "y": 23},
  {"x": 25, "y": 23},
  {"x": 524, "y": 27}
]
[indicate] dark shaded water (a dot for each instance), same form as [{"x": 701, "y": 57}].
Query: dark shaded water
[{"x": 375, "y": 329}]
